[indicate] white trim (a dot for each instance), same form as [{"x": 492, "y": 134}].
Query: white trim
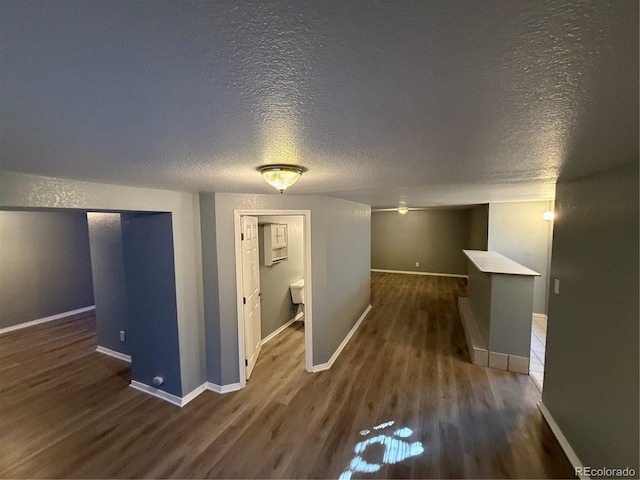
[
  {"x": 327, "y": 366},
  {"x": 273, "y": 334},
  {"x": 562, "y": 440},
  {"x": 182, "y": 401},
  {"x": 431, "y": 274},
  {"x": 193, "y": 394},
  {"x": 113, "y": 353},
  {"x": 308, "y": 296},
  {"x": 47, "y": 319},
  {"x": 542, "y": 316},
  {"x": 167, "y": 397},
  {"x": 237, "y": 231},
  {"x": 418, "y": 209},
  {"x": 308, "y": 331},
  {"x": 535, "y": 382},
  {"x": 231, "y": 387}
]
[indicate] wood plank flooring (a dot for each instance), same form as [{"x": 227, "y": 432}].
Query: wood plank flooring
[{"x": 67, "y": 411}]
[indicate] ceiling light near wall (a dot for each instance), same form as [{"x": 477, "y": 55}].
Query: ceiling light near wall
[
  {"x": 548, "y": 216},
  {"x": 402, "y": 210},
  {"x": 281, "y": 176}
]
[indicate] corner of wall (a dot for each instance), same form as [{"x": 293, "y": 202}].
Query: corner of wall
[{"x": 210, "y": 285}]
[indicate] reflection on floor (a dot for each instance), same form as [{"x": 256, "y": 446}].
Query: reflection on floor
[
  {"x": 538, "y": 345},
  {"x": 395, "y": 450},
  {"x": 401, "y": 401}
]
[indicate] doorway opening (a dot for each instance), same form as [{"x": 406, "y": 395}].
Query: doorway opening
[
  {"x": 538, "y": 348},
  {"x": 274, "y": 245},
  {"x": 122, "y": 262}
]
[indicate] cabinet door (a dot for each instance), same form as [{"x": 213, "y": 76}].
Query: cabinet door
[{"x": 279, "y": 233}]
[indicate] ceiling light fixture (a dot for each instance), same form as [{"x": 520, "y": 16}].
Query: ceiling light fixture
[
  {"x": 281, "y": 176},
  {"x": 548, "y": 216},
  {"x": 403, "y": 210}
]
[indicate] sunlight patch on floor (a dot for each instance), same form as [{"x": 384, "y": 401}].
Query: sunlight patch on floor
[{"x": 396, "y": 450}]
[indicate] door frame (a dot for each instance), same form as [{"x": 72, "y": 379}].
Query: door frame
[{"x": 308, "y": 315}]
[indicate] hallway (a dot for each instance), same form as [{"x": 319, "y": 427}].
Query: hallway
[{"x": 401, "y": 401}]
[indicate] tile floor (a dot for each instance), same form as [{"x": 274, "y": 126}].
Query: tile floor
[{"x": 538, "y": 345}]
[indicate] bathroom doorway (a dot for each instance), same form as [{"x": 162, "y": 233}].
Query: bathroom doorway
[{"x": 285, "y": 297}]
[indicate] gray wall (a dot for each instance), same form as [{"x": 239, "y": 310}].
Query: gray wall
[
  {"x": 501, "y": 310},
  {"x": 109, "y": 279},
  {"x": 348, "y": 274},
  {"x": 276, "y": 306},
  {"x": 511, "y": 314},
  {"x": 518, "y": 231},
  {"x": 340, "y": 255},
  {"x": 29, "y": 191},
  {"x": 45, "y": 267},
  {"x": 434, "y": 237},
  {"x": 478, "y": 228},
  {"x": 591, "y": 369},
  {"x": 211, "y": 288},
  {"x": 479, "y": 294}
]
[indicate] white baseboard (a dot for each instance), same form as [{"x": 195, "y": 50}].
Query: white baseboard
[
  {"x": 232, "y": 387},
  {"x": 322, "y": 367},
  {"x": 193, "y": 394},
  {"x": 113, "y": 353},
  {"x": 327, "y": 366},
  {"x": 46, "y": 319},
  {"x": 182, "y": 401},
  {"x": 562, "y": 440},
  {"x": 167, "y": 397},
  {"x": 273, "y": 334},
  {"x": 431, "y": 274},
  {"x": 536, "y": 382}
]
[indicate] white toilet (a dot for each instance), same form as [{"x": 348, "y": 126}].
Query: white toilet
[{"x": 297, "y": 292}]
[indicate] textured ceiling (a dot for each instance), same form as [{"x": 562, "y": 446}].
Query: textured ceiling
[{"x": 425, "y": 102}]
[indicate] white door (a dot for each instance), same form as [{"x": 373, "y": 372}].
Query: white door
[{"x": 250, "y": 292}]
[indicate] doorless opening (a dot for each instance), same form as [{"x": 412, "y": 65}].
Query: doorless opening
[
  {"x": 247, "y": 250},
  {"x": 133, "y": 270}
]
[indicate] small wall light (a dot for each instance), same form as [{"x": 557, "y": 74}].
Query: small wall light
[
  {"x": 402, "y": 210},
  {"x": 548, "y": 216},
  {"x": 281, "y": 176}
]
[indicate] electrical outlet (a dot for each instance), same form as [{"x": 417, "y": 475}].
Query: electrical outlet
[
  {"x": 417, "y": 264},
  {"x": 556, "y": 286},
  {"x": 122, "y": 336}
]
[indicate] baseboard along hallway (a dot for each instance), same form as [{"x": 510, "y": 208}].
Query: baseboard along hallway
[{"x": 401, "y": 401}]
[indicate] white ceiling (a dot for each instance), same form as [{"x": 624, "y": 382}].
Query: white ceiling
[{"x": 423, "y": 102}]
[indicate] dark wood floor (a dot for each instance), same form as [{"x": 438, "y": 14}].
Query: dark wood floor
[{"x": 67, "y": 411}]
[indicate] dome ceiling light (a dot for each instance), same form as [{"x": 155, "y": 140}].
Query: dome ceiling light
[{"x": 281, "y": 176}]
